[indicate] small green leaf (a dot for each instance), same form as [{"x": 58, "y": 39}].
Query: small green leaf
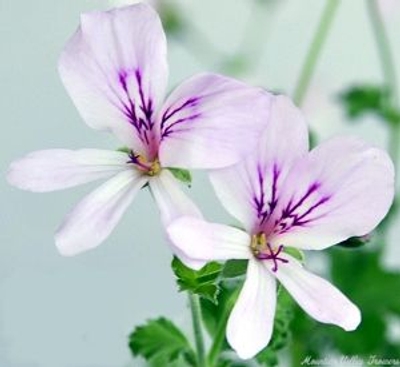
[
  {"x": 202, "y": 282},
  {"x": 354, "y": 242},
  {"x": 160, "y": 342},
  {"x": 234, "y": 268},
  {"x": 363, "y": 99},
  {"x": 124, "y": 150},
  {"x": 182, "y": 175}
]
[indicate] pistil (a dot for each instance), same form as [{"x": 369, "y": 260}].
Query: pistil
[{"x": 262, "y": 250}]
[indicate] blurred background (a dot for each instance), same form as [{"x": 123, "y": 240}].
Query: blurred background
[{"x": 78, "y": 312}]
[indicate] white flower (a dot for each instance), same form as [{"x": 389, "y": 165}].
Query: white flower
[
  {"x": 115, "y": 69},
  {"x": 286, "y": 196}
]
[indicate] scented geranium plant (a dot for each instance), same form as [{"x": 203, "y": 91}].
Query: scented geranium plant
[{"x": 242, "y": 280}]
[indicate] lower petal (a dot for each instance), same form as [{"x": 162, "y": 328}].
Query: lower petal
[
  {"x": 251, "y": 322},
  {"x": 94, "y": 218},
  {"x": 318, "y": 297},
  {"x": 56, "y": 169},
  {"x": 209, "y": 241},
  {"x": 174, "y": 203}
]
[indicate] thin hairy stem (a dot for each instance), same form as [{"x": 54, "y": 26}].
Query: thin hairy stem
[
  {"x": 197, "y": 330},
  {"x": 388, "y": 72},
  {"x": 314, "y": 52}
]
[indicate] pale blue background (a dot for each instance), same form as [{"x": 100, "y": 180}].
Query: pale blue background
[{"x": 77, "y": 312}]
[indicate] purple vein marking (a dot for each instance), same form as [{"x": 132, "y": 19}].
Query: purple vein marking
[
  {"x": 262, "y": 212},
  {"x": 147, "y": 108},
  {"x": 143, "y": 124},
  {"x": 289, "y": 218},
  {"x": 188, "y": 106}
]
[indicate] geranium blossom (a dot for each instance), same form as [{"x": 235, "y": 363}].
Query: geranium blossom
[
  {"x": 285, "y": 196},
  {"x": 115, "y": 70}
]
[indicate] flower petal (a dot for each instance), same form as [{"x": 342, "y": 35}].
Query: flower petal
[
  {"x": 211, "y": 121},
  {"x": 251, "y": 321},
  {"x": 318, "y": 297},
  {"x": 115, "y": 70},
  {"x": 201, "y": 240},
  {"x": 174, "y": 203},
  {"x": 343, "y": 188},
  {"x": 250, "y": 189},
  {"x": 48, "y": 170},
  {"x": 94, "y": 218}
]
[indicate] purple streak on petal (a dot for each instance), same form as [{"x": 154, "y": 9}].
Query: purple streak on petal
[
  {"x": 146, "y": 106},
  {"x": 171, "y": 128},
  {"x": 289, "y": 218},
  {"x": 191, "y": 102},
  {"x": 299, "y": 219},
  {"x": 264, "y": 213},
  {"x": 142, "y": 124},
  {"x": 188, "y": 107}
]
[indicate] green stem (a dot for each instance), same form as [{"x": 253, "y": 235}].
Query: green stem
[
  {"x": 197, "y": 329},
  {"x": 388, "y": 71},
  {"x": 315, "y": 50},
  {"x": 219, "y": 338}
]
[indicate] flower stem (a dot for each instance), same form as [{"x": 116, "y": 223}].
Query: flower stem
[
  {"x": 314, "y": 52},
  {"x": 388, "y": 71},
  {"x": 197, "y": 329},
  {"x": 221, "y": 330}
]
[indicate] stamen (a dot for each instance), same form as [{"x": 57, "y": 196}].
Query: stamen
[{"x": 149, "y": 168}]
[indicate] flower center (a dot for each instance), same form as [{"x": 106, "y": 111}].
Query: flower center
[
  {"x": 262, "y": 250},
  {"x": 149, "y": 168}
]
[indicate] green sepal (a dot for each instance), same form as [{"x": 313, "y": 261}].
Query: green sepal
[
  {"x": 124, "y": 150},
  {"x": 182, "y": 175},
  {"x": 160, "y": 342},
  {"x": 234, "y": 268},
  {"x": 203, "y": 282}
]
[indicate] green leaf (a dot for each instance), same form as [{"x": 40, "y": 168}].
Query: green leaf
[
  {"x": 202, "y": 282},
  {"x": 234, "y": 268},
  {"x": 363, "y": 99},
  {"x": 182, "y": 175},
  {"x": 160, "y": 342}
]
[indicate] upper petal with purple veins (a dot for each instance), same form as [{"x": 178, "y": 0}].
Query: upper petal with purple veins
[
  {"x": 343, "y": 188},
  {"x": 115, "y": 70},
  {"x": 211, "y": 121},
  {"x": 250, "y": 189}
]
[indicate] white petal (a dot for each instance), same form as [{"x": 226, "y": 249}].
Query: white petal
[
  {"x": 174, "y": 203},
  {"x": 94, "y": 218},
  {"x": 201, "y": 240},
  {"x": 318, "y": 297},
  {"x": 250, "y": 189},
  {"x": 48, "y": 170},
  {"x": 211, "y": 121},
  {"x": 343, "y": 188},
  {"x": 251, "y": 322},
  {"x": 114, "y": 67}
]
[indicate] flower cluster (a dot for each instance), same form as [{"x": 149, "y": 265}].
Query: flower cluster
[{"x": 254, "y": 144}]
